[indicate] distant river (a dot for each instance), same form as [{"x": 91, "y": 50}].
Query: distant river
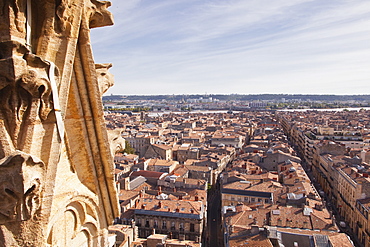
[
  {"x": 156, "y": 114},
  {"x": 332, "y": 109},
  {"x": 153, "y": 114}
]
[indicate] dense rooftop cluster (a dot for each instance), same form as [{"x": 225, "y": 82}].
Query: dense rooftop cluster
[
  {"x": 274, "y": 172},
  {"x": 334, "y": 147}
]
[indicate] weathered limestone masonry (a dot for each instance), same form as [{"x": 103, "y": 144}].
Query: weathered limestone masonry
[{"x": 56, "y": 171}]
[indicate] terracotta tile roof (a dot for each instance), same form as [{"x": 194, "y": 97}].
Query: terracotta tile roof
[
  {"x": 290, "y": 217},
  {"x": 159, "y": 162},
  {"x": 127, "y": 194},
  {"x": 145, "y": 173},
  {"x": 246, "y": 219},
  {"x": 170, "y": 206},
  {"x": 322, "y": 220},
  {"x": 257, "y": 241},
  {"x": 340, "y": 239}
]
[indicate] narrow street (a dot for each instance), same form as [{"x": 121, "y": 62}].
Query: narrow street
[{"x": 214, "y": 223}]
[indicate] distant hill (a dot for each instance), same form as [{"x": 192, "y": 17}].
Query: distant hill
[{"x": 242, "y": 97}]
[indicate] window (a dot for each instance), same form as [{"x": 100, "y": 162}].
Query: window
[
  {"x": 155, "y": 224},
  {"x": 253, "y": 199},
  {"x": 246, "y": 199},
  {"x": 267, "y": 201},
  {"x": 147, "y": 223},
  {"x": 173, "y": 225},
  {"x": 181, "y": 226},
  {"x": 138, "y": 222},
  {"x": 192, "y": 227},
  {"x": 164, "y": 225}
]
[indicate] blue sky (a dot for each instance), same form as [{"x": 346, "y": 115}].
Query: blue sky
[{"x": 237, "y": 46}]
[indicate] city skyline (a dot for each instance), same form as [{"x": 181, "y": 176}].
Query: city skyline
[{"x": 244, "y": 47}]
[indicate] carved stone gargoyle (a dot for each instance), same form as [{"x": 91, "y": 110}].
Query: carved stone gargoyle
[
  {"x": 116, "y": 142},
  {"x": 105, "y": 78},
  {"x": 21, "y": 179},
  {"x": 97, "y": 14}
]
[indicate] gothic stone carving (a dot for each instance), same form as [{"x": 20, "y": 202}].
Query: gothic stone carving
[
  {"x": 117, "y": 143},
  {"x": 25, "y": 91},
  {"x": 81, "y": 218},
  {"x": 15, "y": 9},
  {"x": 99, "y": 15},
  {"x": 56, "y": 31},
  {"x": 105, "y": 78},
  {"x": 21, "y": 178}
]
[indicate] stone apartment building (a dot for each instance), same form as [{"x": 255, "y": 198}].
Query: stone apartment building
[
  {"x": 228, "y": 139},
  {"x": 184, "y": 152},
  {"x": 271, "y": 159},
  {"x": 244, "y": 192},
  {"x": 141, "y": 143},
  {"x": 362, "y": 227},
  {"x": 160, "y": 151},
  {"x": 344, "y": 179},
  {"x": 180, "y": 219},
  {"x": 159, "y": 165}
]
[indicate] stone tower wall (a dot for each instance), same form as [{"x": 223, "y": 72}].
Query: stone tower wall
[{"x": 56, "y": 169}]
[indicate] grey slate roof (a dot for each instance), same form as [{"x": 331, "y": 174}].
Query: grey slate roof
[
  {"x": 168, "y": 214},
  {"x": 248, "y": 193},
  {"x": 136, "y": 182}
]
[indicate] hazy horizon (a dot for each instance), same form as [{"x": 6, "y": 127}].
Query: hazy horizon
[{"x": 109, "y": 93}]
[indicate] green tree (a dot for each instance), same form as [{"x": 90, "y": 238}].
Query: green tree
[{"x": 128, "y": 148}]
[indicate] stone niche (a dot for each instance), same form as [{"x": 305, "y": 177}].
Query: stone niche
[{"x": 56, "y": 166}]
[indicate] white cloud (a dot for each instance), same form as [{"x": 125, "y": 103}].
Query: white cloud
[{"x": 237, "y": 46}]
